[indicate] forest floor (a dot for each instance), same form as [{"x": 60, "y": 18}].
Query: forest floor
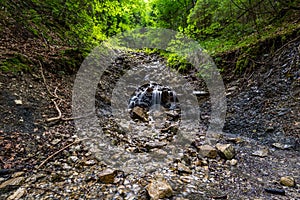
[{"x": 42, "y": 158}]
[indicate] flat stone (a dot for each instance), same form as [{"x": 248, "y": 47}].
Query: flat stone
[
  {"x": 287, "y": 181},
  {"x": 207, "y": 151},
  {"x": 153, "y": 145},
  {"x": 140, "y": 113},
  {"x": 261, "y": 152},
  {"x": 226, "y": 151},
  {"x": 17, "y": 194},
  {"x": 281, "y": 146},
  {"x": 107, "y": 176},
  {"x": 12, "y": 182},
  {"x": 182, "y": 168},
  {"x": 159, "y": 189}
]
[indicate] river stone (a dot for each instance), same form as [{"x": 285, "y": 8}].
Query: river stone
[
  {"x": 287, "y": 181},
  {"x": 159, "y": 189},
  {"x": 226, "y": 151},
  {"x": 107, "y": 176},
  {"x": 261, "y": 152},
  {"x": 182, "y": 168},
  {"x": 207, "y": 151},
  {"x": 139, "y": 113}
]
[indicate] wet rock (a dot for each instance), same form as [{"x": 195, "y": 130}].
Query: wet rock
[
  {"x": 261, "y": 152},
  {"x": 207, "y": 151},
  {"x": 281, "y": 146},
  {"x": 153, "y": 145},
  {"x": 139, "y": 113},
  {"x": 287, "y": 181},
  {"x": 107, "y": 176},
  {"x": 183, "y": 169},
  {"x": 226, "y": 151},
  {"x": 159, "y": 189}
]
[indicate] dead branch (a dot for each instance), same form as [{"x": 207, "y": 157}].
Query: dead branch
[
  {"x": 59, "y": 113},
  {"x": 57, "y": 152}
]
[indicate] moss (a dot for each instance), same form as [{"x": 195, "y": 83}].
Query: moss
[{"x": 14, "y": 65}]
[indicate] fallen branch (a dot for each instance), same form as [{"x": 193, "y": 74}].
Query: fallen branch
[
  {"x": 45, "y": 82},
  {"x": 57, "y": 152},
  {"x": 59, "y": 113}
]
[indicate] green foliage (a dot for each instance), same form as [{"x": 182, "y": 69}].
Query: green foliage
[
  {"x": 169, "y": 13},
  {"x": 15, "y": 64}
]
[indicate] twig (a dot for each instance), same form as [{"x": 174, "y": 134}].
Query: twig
[
  {"x": 44, "y": 79},
  {"x": 59, "y": 113},
  {"x": 57, "y": 152}
]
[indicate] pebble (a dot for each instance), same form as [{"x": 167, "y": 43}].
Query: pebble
[
  {"x": 159, "y": 189},
  {"x": 287, "y": 181},
  {"x": 18, "y": 102},
  {"x": 73, "y": 159},
  {"x": 233, "y": 162}
]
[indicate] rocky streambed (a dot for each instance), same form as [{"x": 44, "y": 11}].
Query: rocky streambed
[{"x": 252, "y": 159}]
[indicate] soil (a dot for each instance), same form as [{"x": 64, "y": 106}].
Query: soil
[{"x": 263, "y": 109}]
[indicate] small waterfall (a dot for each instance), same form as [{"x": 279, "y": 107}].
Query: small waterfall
[
  {"x": 174, "y": 97},
  {"x": 152, "y": 96},
  {"x": 156, "y": 97}
]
